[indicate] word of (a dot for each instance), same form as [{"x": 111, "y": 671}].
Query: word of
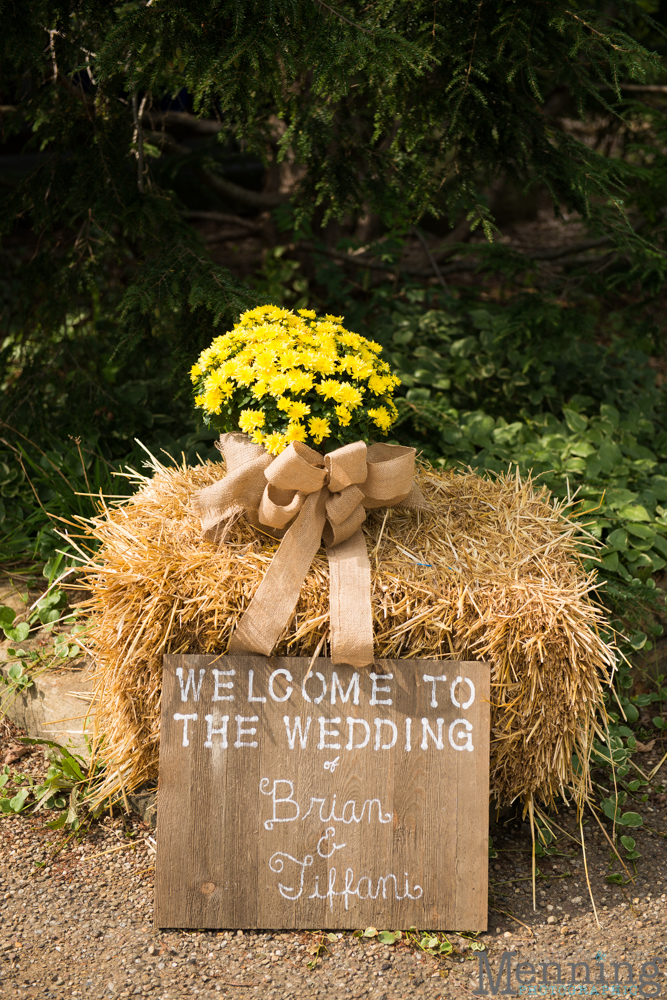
[
  {"x": 283, "y": 678},
  {"x": 363, "y": 889},
  {"x": 527, "y": 978},
  {"x": 331, "y": 765},
  {"x": 290, "y": 810}
]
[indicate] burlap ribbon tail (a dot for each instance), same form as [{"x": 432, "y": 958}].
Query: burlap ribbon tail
[{"x": 303, "y": 497}]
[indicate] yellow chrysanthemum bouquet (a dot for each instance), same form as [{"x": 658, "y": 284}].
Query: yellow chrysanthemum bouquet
[{"x": 283, "y": 377}]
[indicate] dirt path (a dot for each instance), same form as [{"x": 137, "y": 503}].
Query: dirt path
[{"x": 76, "y": 921}]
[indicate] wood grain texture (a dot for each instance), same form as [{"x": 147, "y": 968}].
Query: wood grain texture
[{"x": 368, "y": 814}]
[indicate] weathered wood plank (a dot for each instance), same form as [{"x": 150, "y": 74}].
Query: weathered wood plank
[{"x": 329, "y": 798}]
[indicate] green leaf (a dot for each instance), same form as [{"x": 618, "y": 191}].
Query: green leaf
[
  {"x": 610, "y": 561},
  {"x": 628, "y": 843},
  {"x": 57, "y": 824},
  {"x": 638, "y": 640},
  {"x": 631, "y": 713},
  {"x": 659, "y": 722},
  {"x": 370, "y": 932},
  {"x": 634, "y": 512},
  {"x": 642, "y": 530},
  {"x": 660, "y": 543},
  {"x": 17, "y": 803},
  {"x": 609, "y": 808},
  {"x": 577, "y": 422},
  {"x": 631, "y": 819},
  {"x": 386, "y": 937},
  {"x": 617, "y": 539},
  {"x": 659, "y": 486},
  {"x": 611, "y": 414},
  {"x": 49, "y": 615},
  {"x": 18, "y": 634},
  {"x": 7, "y": 616}
]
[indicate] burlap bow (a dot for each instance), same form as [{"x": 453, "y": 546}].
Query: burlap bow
[{"x": 302, "y": 497}]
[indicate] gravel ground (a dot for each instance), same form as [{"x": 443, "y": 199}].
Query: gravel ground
[{"x": 76, "y": 919}]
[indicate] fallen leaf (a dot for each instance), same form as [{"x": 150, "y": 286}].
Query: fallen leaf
[
  {"x": 645, "y": 747},
  {"x": 15, "y": 753}
]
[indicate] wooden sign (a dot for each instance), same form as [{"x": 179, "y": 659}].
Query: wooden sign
[{"x": 332, "y": 798}]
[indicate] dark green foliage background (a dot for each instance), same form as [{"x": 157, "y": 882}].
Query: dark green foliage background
[{"x": 410, "y": 113}]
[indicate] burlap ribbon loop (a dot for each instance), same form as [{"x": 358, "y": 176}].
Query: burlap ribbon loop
[{"x": 303, "y": 497}]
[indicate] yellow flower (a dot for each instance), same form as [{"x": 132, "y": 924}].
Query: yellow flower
[
  {"x": 295, "y": 432},
  {"x": 319, "y": 428},
  {"x": 260, "y": 388},
  {"x": 350, "y": 339},
  {"x": 250, "y": 420},
  {"x": 355, "y": 366},
  {"x": 274, "y": 443},
  {"x": 328, "y": 388},
  {"x": 284, "y": 360},
  {"x": 379, "y": 383},
  {"x": 245, "y": 375},
  {"x": 349, "y": 395},
  {"x": 380, "y": 417},
  {"x": 325, "y": 364},
  {"x": 297, "y": 410},
  {"x": 344, "y": 415},
  {"x": 278, "y": 384},
  {"x": 213, "y": 400},
  {"x": 217, "y": 380}
]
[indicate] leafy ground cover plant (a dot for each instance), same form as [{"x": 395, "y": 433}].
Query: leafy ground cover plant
[{"x": 65, "y": 787}]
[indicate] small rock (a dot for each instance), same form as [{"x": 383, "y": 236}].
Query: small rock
[
  {"x": 151, "y": 949},
  {"x": 577, "y": 900},
  {"x": 417, "y": 981},
  {"x": 385, "y": 966},
  {"x": 552, "y": 920}
]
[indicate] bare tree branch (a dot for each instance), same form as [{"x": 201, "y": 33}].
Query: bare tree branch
[
  {"x": 167, "y": 119},
  {"x": 253, "y": 199},
  {"x": 233, "y": 220},
  {"x": 436, "y": 269}
]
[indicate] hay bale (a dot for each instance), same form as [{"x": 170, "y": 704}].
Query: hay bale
[{"x": 492, "y": 572}]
